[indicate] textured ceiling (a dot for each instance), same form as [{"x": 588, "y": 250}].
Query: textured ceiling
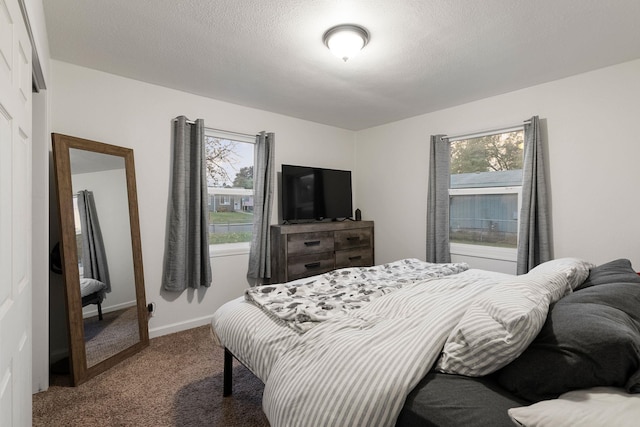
[{"x": 423, "y": 55}]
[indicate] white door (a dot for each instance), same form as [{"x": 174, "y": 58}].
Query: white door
[{"x": 15, "y": 217}]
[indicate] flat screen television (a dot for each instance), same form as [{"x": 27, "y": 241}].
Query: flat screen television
[{"x": 310, "y": 193}]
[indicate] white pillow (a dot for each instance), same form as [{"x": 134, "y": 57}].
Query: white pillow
[
  {"x": 501, "y": 323},
  {"x": 577, "y": 270},
  {"x": 594, "y": 407}
]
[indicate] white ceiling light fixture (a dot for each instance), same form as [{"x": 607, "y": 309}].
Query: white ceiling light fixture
[{"x": 346, "y": 40}]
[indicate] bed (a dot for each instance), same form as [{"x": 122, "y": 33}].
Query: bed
[{"x": 411, "y": 343}]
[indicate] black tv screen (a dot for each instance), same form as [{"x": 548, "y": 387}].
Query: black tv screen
[{"x": 310, "y": 193}]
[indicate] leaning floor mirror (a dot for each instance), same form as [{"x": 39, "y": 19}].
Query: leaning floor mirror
[{"x": 101, "y": 254}]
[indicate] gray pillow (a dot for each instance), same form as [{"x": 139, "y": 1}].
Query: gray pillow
[
  {"x": 617, "y": 271},
  {"x": 590, "y": 338}
]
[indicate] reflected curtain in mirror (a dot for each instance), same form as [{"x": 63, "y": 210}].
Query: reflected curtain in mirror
[
  {"x": 94, "y": 258},
  {"x": 186, "y": 261}
]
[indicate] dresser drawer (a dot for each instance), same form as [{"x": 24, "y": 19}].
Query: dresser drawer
[
  {"x": 354, "y": 258},
  {"x": 309, "y": 243},
  {"x": 309, "y": 265},
  {"x": 304, "y": 250},
  {"x": 347, "y": 239}
]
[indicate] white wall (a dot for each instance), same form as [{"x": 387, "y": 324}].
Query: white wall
[
  {"x": 593, "y": 151},
  {"x": 115, "y": 110}
]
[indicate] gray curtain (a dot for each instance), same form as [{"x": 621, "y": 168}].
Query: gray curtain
[
  {"x": 534, "y": 238},
  {"x": 186, "y": 262},
  {"x": 94, "y": 258},
  {"x": 260, "y": 251},
  {"x": 438, "y": 200}
]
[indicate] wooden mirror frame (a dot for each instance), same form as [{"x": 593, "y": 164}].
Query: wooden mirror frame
[{"x": 78, "y": 368}]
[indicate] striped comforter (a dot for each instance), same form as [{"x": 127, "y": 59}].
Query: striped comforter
[{"x": 356, "y": 370}]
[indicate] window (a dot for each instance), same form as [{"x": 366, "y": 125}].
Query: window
[
  {"x": 485, "y": 194},
  {"x": 230, "y": 186},
  {"x": 76, "y": 221}
]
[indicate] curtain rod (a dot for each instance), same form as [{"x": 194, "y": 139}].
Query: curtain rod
[
  {"x": 486, "y": 132},
  {"x": 193, "y": 122},
  {"x": 231, "y": 132}
]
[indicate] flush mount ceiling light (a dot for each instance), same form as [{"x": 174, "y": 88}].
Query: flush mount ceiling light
[{"x": 346, "y": 40}]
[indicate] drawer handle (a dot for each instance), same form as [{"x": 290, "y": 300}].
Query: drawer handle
[
  {"x": 312, "y": 265},
  {"x": 312, "y": 243},
  {"x": 351, "y": 239},
  {"x": 354, "y": 258}
]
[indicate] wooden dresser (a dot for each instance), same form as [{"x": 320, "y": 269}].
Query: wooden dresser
[{"x": 302, "y": 250}]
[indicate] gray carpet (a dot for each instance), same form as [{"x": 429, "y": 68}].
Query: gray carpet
[
  {"x": 117, "y": 331},
  {"x": 176, "y": 381}
]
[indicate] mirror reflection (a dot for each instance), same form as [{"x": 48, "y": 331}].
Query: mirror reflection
[
  {"x": 101, "y": 252},
  {"x": 105, "y": 259}
]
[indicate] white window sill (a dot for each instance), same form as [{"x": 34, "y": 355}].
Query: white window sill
[
  {"x": 228, "y": 249},
  {"x": 488, "y": 252}
]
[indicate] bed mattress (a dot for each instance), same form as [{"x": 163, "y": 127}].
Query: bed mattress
[{"x": 455, "y": 400}]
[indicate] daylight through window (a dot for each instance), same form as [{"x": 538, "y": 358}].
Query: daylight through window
[
  {"x": 76, "y": 221},
  {"x": 230, "y": 187},
  {"x": 486, "y": 181}
]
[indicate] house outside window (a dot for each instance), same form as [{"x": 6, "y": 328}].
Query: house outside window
[
  {"x": 230, "y": 160},
  {"x": 485, "y": 195}
]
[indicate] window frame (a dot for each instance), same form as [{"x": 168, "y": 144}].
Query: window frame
[{"x": 230, "y": 249}]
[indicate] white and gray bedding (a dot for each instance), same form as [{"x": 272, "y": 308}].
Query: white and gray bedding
[
  {"x": 305, "y": 303},
  {"x": 357, "y": 368},
  {"x": 255, "y": 339},
  {"x": 363, "y": 364},
  {"x": 591, "y": 338},
  {"x": 258, "y": 339}
]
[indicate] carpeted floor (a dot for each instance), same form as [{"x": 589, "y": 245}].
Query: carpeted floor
[
  {"x": 176, "y": 381},
  {"x": 117, "y": 331}
]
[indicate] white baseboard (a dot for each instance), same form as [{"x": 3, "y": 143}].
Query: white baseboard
[
  {"x": 57, "y": 354},
  {"x": 94, "y": 312},
  {"x": 179, "y": 326}
]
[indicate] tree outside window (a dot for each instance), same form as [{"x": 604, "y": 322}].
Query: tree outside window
[
  {"x": 486, "y": 178},
  {"x": 230, "y": 187}
]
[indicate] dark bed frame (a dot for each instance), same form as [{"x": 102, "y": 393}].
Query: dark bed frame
[
  {"x": 227, "y": 379},
  {"x": 93, "y": 298}
]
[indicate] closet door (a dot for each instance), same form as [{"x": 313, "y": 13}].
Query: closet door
[{"x": 15, "y": 217}]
